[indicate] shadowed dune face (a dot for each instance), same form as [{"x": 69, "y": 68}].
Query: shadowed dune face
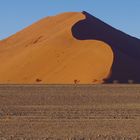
[
  {"x": 126, "y": 49},
  {"x": 46, "y": 52}
]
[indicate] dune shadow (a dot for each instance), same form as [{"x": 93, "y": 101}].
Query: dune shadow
[{"x": 126, "y": 49}]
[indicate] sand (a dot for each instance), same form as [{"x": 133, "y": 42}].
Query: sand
[{"x": 47, "y": 52}]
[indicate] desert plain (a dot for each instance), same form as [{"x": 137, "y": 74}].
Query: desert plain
[{"x": 70, "y": 112}]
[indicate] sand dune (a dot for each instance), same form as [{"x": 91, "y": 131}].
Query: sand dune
[
  {"x": 69, "y": 48},
  {"x": 47, "y": 52}
]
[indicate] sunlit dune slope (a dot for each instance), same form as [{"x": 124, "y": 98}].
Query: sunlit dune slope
[{"x": 47, "y": 52}]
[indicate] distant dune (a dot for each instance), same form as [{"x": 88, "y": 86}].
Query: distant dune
[{"x": 69, "y": 48}]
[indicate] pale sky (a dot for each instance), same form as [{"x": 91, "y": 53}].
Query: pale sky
[{"x": 18, "y": 14}]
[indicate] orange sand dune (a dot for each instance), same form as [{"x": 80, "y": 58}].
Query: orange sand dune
[{"x": 46, "y": 52}]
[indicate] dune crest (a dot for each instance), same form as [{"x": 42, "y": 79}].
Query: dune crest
[{"x": 47, "y": 52}]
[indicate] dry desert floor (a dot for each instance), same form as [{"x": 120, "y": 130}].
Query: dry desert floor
[{"x": 70, "y": 112}]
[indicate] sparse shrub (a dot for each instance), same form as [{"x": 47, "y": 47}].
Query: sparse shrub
[
  {"x": 38, "y": 80},
  {"x": 131, "y": 81},
  {"x": 94, "y": 81},
  {"x": 115, "y": 81}
]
